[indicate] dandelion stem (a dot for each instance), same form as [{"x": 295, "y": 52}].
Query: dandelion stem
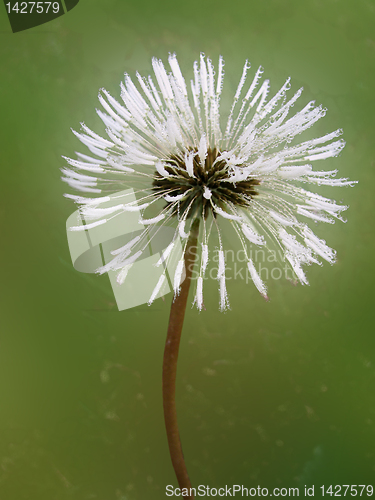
[{"x": 176, "y": 321}]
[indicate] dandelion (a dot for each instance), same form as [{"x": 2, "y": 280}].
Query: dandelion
[{"x": 169, "y": 143}]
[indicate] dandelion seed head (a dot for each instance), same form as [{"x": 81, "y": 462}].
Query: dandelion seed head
[{"x": 168, "y": 142}]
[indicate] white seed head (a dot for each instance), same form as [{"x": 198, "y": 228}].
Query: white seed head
[{"x": 165, "y": 141}]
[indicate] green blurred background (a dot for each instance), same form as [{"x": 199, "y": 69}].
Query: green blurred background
[{"x": 271, "y": 394}]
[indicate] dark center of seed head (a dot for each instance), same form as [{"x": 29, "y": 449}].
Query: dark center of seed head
[{"x": 214, "y": 176}]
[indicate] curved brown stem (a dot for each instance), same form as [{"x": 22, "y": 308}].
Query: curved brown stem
[{"x": 176, "y": 320}]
